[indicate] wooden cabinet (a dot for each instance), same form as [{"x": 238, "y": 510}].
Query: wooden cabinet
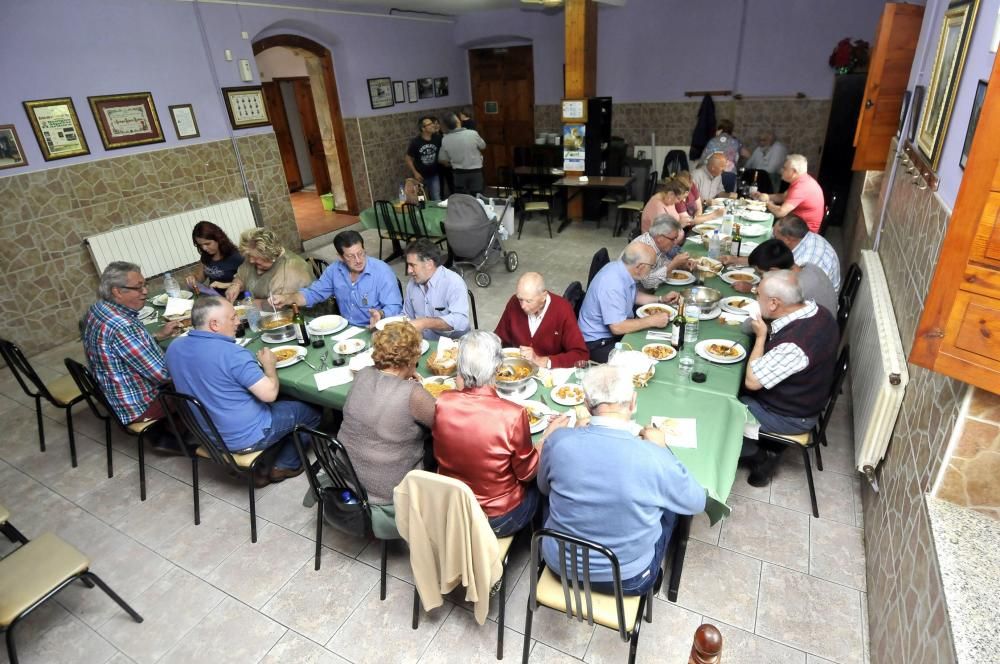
[{"x": 959, "y": 330}]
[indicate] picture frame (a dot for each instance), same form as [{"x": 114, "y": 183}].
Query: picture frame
[
  {"x": 441, "y": 86},
  {"x": 56, "y": 127},
  {"x": 411, "y": 92},
  {"x": 917, "y": 101},
  {"x": 11, "y": 152},
  {"x": 398, "y": 92},
  {"x": 425, "y": 87},
  {"x": 246, "y": 107},
  {"x": 380, "y": 92},
  {"x": 949, "y": 60},
  {"x": 185, "y": 123},
  {"x": 126, "y": 120},
  {"x": 907, "y": 94},
  {"x": 970, "y": 132}
]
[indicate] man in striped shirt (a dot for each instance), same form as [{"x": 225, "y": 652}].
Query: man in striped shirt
[{"x": 808, "y": 247}]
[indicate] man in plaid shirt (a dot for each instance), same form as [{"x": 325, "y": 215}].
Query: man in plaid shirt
[{"x": 790, "y": 369}]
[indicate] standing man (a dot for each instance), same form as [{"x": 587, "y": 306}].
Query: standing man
[
  {"x": 422, "y": 157},
  {"x": 365, "y": 288},
  {"x": 465, "y": 117},
  {"x": 462, "y": 150},
  {"x": 769, "y": 155},
  {"x": 542, "y": 325},
  {"x": 436, "y": 299},
  {"x": 708, "y": 177},
  {"x": 804, "y": 197}
]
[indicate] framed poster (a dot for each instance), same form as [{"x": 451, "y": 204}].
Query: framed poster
[
  {"x": 918, "y": 106},
  {"x": 380, "y": 92},
  {"x": 57, "y": 128},
  {"x": 185, "y": 123},
  {"x": 425, "y": 87},
  {"x": 411, "y": 92},
  {"x": 398, "y": 92},
  {"x": 970, "y": 132},
  {"x": 574, "y": 147},
  {"x": 574, "y": 110},
  {"x": 956, "y": 29},
  {"x": 902, "y": 113},
  {"x": 11, "y": 152},
  {"x": 126, "y": 120},
  {"x": 246, "y": 106},
  {"x": 441, "y": 87}
]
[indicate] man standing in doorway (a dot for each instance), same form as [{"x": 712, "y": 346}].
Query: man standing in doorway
[
  {"x": 422, "y": 157},
  {"x": 462, "y": 149}
]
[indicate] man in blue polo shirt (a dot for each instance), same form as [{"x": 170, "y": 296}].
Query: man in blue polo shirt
[
  {"x": 365, "y": 288},
  {"x": 607, "y": 311},
  {"x": 437, "y": 301},
  {"x": 240, "y": 395}
]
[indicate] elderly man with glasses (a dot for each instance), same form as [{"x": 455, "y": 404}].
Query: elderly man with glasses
[
  {"x": 607, "y": 313},
  {"x": 422, "y": 157},
  {"x": 664, "y": 236}
]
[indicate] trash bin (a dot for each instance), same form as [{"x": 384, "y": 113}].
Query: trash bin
[{"x": 327, "y": 200}]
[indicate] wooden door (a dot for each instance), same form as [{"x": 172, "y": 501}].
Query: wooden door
[
  {"x": 279, "y": 122},
  {"x": 888, "y": 74},
  {"x": 314, "y": 139},
  {"x": 504, "y": 79}
]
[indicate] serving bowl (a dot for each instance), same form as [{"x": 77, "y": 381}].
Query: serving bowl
[
  {"x": 270, "y": 321},
  {"x": 704, "y": 297},
  {"x": 515, "y": 366}
]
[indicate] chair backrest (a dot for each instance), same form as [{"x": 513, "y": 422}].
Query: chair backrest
[
  {"x": 26, "y": 376},
  {"x": 333, "y": 460},
  {"x": 639, "y": 170},
  {"x": 729, "y": 181},
  {"x": 318, "y": 265},
  {"x": 839, "y": 373},
  {"x": 505, "y": 180},
  {"x": 675, "y": 162},
  {"x": 849, "y": 287},
  {"x": 574, "y": 295},
  {"x": 764, "y": 185},
  {"x": 575, "y": 578},
  {"x": 828, "y": 211},
  {"x": 475, "y": 314},
  {"x": 412, "y": 221},
  {"x": 650, "y": 185},
  {"x": 599, "y": 260},
  {"x": 198, "y": 421},
  {"x": 90, "y": 389},
  {"x": 385, "y": 218}
]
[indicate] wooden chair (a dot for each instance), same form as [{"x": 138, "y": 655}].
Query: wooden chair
[
  {"x": 532, "y": 199},
  {"x": 62, "y": 392},
  {"x": 571, "y": 592}
]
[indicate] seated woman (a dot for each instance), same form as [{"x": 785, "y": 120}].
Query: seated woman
[
  {"x": 268, "y": 269},
  {"x": 664, "y": 201},
  {"x": 387, "y": 441},
  {"x": 485, "y": 441},
  {"x": 218, "y": 259}
]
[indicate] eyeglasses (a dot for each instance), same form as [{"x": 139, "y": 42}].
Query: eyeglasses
[
  {"x": 427, "y": 124},
  {"x": 649, "y": 265},
  {"x": 140, "y": 287}
]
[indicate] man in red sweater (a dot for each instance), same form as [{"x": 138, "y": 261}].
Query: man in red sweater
[{"x": 542, "y": 325}]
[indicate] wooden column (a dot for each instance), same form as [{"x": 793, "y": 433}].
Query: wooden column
[{"x": 580, "y": 70}]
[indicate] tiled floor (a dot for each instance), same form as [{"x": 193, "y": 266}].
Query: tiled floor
[{"x": 781, "y": 585}]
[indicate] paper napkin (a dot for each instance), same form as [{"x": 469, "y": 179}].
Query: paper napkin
[
  {"x": 177, "y": 306},
  {"x": 348, "y": 333},
  {"x": 677, "y": 431},
  {"x": 333, "y": 377}
]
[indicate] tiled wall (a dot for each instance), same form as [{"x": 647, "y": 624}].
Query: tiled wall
[{"x": 48, "y": 278}]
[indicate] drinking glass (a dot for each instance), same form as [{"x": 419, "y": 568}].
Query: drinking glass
[
  {"x": 685, "y": 365},
  {"x": 580, "y": 369}
]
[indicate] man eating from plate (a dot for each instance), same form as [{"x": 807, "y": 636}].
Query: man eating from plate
[
  {"x": 542, "y": 325},
  {"x": 665, "y": 237},
  {"x": 240, "y": 395},
  {"x": 365, "y": 288},
  {"x": 436, "y": 300}
]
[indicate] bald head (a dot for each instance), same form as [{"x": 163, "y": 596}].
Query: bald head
[
  {"x": 531, "y": 293},
  {"x": 716, "y": 163},
  {"x": 639, "y": 259}
]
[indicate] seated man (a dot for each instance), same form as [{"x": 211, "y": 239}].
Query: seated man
[
  {"x": 804, "y": 197},
  {"x": 542, "y": 325},
  {"x": 125, "y": 359},
  {"x": 773, "y": 254},
  {"x": 664, "y": 236},
  {"x": 365, "y": 287},
  {"x": 607, "y": 312},
  {"x": 611, "y": 486},
  {"x": 808, "y": 247},
  {"x": 436, "y": 299},
  {"x": 208, "y": 365},
  {"x": 769, "y": 155},
  {"x": 708, "y": 177},
  {"x": 790, "y": 368}
]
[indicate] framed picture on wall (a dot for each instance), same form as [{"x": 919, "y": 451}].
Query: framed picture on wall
[
  {"x": 918, "y": 106},
  {"x": 57, "y": 128},
  {"x": 398, "y": 92},
  {"x": 970, "y": 132},
  {"x": 246, "y": 107},
  {"x": 11, "y": 153},
  {"x": 902, "y": 113},
  {"x": 185, "y": 123},
  {"x": 441, "y": 87},
  {"x": 425, "y": 87},
  {"x": 380, "y": 92},
  {"x": 411, "y": 92},
  {"x": 126, "y": 120},
  {"x": 953, "y": 41}
]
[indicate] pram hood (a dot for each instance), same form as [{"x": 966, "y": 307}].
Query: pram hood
[{"x": 467, "y": 227}]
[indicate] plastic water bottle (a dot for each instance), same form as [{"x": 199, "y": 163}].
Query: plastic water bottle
[
  {"x": 714, "y": 245},
  {"x": 171, "y": 286},
  {"x": 348, "y": 498},
  {"x": 252, "y": 313},
  {"x": 614, "y": 351},
  {"x": 692, "y": 317}
]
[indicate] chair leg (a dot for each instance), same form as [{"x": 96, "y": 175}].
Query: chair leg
[
  {"x": 416, "y": 608},
  {"x": 107, "y": 446},
  {"x": 819, "y": 459},
  {"x": 142, "y": 464},
  {"x": 520, "y": 224},
  {"x": 681, "y": 531},
  {"x": 649, "y": 605},
  {"x": 548, "y": 220},
  {"x": 12, "y": 533},
  {"x": 113, "y": 595},
  {"x": 501, "y": 611},
  {"x": 383, "y": 568},
  {"x": 253, "y": 509},
  {"x": 72, "y": 437},
  {"x": 41, "y": 426},
  {"x": 809, "y": 479},
  {"x": 11, "y": 648},
  {"x": 319, "y": 532},
  {"x": 529, "y": 614}
]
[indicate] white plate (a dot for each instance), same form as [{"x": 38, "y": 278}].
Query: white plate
[
  {"x": 670, "y": 356},
  {"x": 644, "y": 310},
  {"x": 424, "y": 346},
  {"x": 278, "y": 337},
  {"x": 702, "y": 349},
  {"x": 525, "y": 392},
  {"x": 689, "y": 279},
  {"x": 323, "y": 325},
  {"x": 391, "y": 319},
  {"x": 728, "y": 277},
  {"x": 711, "y": 314},
  {"x": 300, "y": 353},
  {"x": 161, "y": 299},
  {"x": 360, "y": 361},
  {"x": 729, "y": 304},
  {"x": 349, "y": 346},
  {"x": 567, "y": 401},
  {"x": 749, "y": 230},
  {"x": 755, "y": 215},
  {"x": 541, "y": 409},
  {"x": 147, "y": 313},
  {"x": 707, "y": 227},
  {"x": 747, "y": 247}
]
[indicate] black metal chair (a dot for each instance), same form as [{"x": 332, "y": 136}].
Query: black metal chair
[
  {"x": 674, "y": 162},
  {"x": 99, "y": 406},
  {"x": 62, "y": 392},
  {"x": 412, "y": 224},
  {"x": 599, "y": 260},
  {"x": 475, "y": 313},
  {"x": 848, "y": 291},
  {"x": 504, "y": 187},
  {"x": 633, "y": 207},
  {"x": 388, "y": 225},
  {"x": 828, "y": 210},
  {"x": 571, "y": 592},
  {"x": 729, "y": 181},
  {"x": 574, "y": 295},
  {"x": 8, "y": 529},
  {"x": 533, "y": 197},
  {"x": 318, "y": 265},
  {"x": 351, "y": 518},
  {"x": 813, "y": 439}
]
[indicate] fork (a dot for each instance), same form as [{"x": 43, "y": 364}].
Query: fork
[{"x": 322, "y": 360}]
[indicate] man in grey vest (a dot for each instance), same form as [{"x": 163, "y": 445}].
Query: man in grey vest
[{"x": 462, "y": 150}]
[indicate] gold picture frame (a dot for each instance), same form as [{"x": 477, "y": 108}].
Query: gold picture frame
[
  {"x": 126, "y": 120},
  {"x": 953, "y": 42},
  {"x": 57, "y": 128}
]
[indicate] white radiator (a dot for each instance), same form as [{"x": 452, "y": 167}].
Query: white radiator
[
  {"x": 165, "y": 244},
  {"x": 878, "y": 366}
]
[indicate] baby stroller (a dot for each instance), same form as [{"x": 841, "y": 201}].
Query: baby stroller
[{"x": 474, "y": 239}]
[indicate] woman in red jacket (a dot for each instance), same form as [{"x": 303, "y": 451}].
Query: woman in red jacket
[{"x": 542, "y": 325}]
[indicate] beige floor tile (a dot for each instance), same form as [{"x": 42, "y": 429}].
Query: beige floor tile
[
  {"x": 297, "y": 649},
  {"x": 767, "y": 532},
  {"x": 156, "y": 520},
  {"x": 865, "y": 634},
  {"x": 282, "y": 504},
  {"x": 398, "y": 642},
  {"x": 548, "y": 626},
  {"x": 702, "y": 530},
  {"x": 743, "y": 647},
  {"x": 73, "y": 483},
  {"x": 543, "y": 654},
  {"x": 200, "y": 548},
  {"x": 837, "y": 553},
  {"x": 834, "y": 493},
  {"x": 214, "y": 479},
  {"x": 813, "y": 659},
  {"x": 120, "y": 658},
  {"x": 720, "y": 583},
  {"x": 66, "y": 640},
  {"x": 113, "y": 499},
  {"x": 34, "y": 626},
  {"x": 231, "y": 632},
  {"x": 254, "y": 572},
  {"x": 170, "y": 607},
  {"x": 316, "y": 603},
  {"x": 740, "y": 487},
  {"x": 810, "y": 614},
  {"x": 19, "y": 438},
  {"x": 666, "y": 639},
  {"x": 461, "y": 640},
  {"x": 338, "y": 541},
  {"x": 398, "y": 563}
]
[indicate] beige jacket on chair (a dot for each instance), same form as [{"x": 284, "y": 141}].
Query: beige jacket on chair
[{"x": 450, "y": 540}]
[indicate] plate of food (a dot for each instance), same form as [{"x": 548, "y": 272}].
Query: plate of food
[
  {"x": 349, "y": 346},
  {"x": 391, "y": 319},
  {"x": 720, "y": 351},
  {"x": 567, "y": 394},
  {"x": 760, "y": 206},
  {"x": 438, "y": 384},
  {"x": 706, "y": 228},
  {"x": 161, "y": 299},
  {"x": 679, "y": 278},
  {"x": 147, "y": 313},
  {"x": 273, "y": 321},
  {"x": 753, "y": 230},
  {"x": 323, "y": 325},
  {"x": 755, "y": 215},
  {"x": 659, "y": 352},
  {"x": 655, "y": 308},
  {"x": 737, "y": 304},
  {"x": 746, "y": 276},
  {"x": 538, "y": 415},
  {"x": 707, "y": 264},
  {"x": 288, "y": 355}
]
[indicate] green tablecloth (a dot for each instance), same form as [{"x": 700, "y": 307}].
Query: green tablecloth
[{"x": 433, "y": 217}]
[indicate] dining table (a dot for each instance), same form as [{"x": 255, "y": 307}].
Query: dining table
[{"x": 574, "y": 185}]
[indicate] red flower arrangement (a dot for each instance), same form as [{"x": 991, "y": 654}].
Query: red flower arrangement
[{"x": 849, "y": 55}]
